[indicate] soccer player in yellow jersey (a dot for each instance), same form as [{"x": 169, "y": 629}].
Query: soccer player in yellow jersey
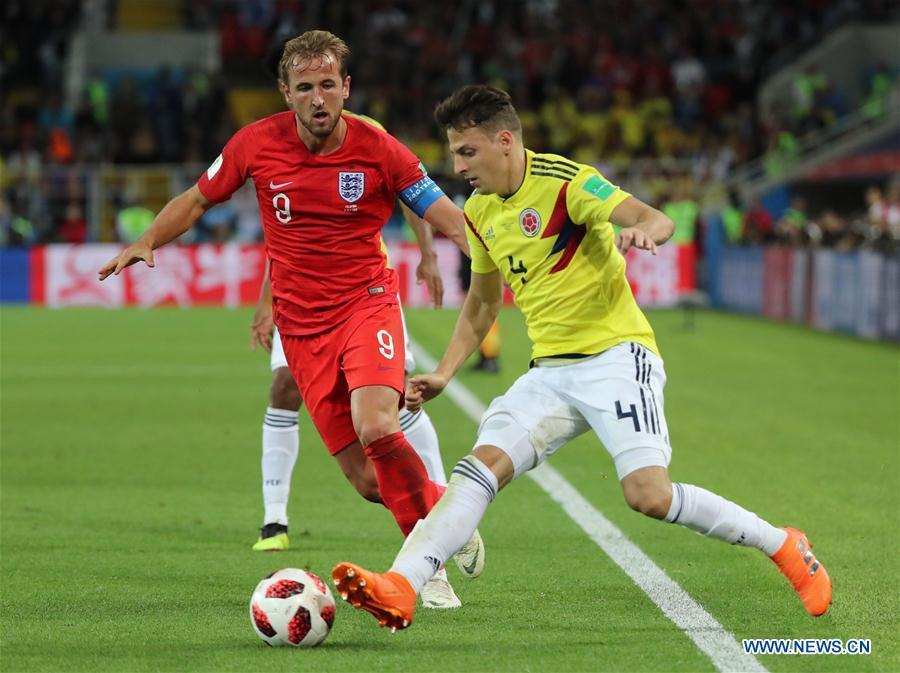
[{"x": 544, "y": 224}]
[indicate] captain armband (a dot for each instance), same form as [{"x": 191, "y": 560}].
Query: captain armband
[{"x": 420, "y": 195}]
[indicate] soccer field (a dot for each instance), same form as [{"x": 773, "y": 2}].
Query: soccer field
[{"x": 131, "y": 496}]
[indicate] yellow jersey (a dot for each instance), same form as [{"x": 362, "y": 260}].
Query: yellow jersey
[{"x": 553, "y": 243}]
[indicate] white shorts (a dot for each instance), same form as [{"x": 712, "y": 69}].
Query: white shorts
[
  {"x": 618, "y": 394},
  {"x": 279, "y": 360}
]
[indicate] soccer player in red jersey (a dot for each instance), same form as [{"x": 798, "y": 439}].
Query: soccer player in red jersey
[{"x": 326, "y": 184}]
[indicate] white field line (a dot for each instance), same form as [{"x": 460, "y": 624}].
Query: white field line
[{"x": 688, "y": 615}]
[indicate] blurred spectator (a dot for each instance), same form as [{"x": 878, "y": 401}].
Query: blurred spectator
[
  {"x": 684, "y": 211},
  {"x": 218, "y": 224},
  {"x": 74, "y": 226},
  {"x": 248, "y": 227},
  {"x": 167, "y": 113},
  {"x": 880, "y": 82},
  {"x": 132, "y": 221},
  {"x": 809, "y": 85},
  {"x": 878, "y": 233},
  {"x": 15, "y": 230},
  {"x": 54, "y": 115},
  {"x": 7, "y": 236},
  {"x": 733, "y": 218},
  {"x": 892, "y": 208},
  {"x": 876, "y": 207},
  {"x": 24, "y": 157},
  {"x": 791, "y": 227},
  {"x": 124, "y": 117},
  {"x": 835, "y": 231},
  {"x": 758, "y": 225}
]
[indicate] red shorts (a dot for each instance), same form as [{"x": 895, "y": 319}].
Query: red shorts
[{"x": 367, "y": 349}]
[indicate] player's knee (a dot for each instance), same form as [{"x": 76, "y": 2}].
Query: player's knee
[
  {"x": 376, "y": 426},
  {"x": 283, "y": 393},
  {"x": 497, "y": 461},
  {"x": 653, "y": 504},
  {"x": 648, "y": 493}
]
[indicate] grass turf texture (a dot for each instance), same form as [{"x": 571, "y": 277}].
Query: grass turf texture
[{"x": 130, "y": 499}]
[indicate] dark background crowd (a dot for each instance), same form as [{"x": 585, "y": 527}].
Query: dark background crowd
[
  {"x": 874, "y": 225},
  {"x": 668, "y": 87}
]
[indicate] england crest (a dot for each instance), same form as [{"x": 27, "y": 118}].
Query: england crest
[{"x": 351, "y": 185}]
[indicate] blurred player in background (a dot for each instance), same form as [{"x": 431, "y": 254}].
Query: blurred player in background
[
  {"x": 326, "y": 184},
  {"x": 595, "y": 362}
]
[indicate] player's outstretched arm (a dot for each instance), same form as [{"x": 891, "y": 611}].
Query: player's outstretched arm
[
  {"x": 428, "y": 271},
  {"x": 478, "y": 314},
  {"x": 643, "y": 227},
  {"x": 448, "y": 219},
  {"x": 178, "y": 215}
]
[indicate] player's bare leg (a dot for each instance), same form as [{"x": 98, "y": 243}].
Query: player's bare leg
[
  {"x": 649, "y": 490},
  {"x": 475, "y": 481},
  {"x": 280, "y": 447},
  {"x": 359, "y": 471}
]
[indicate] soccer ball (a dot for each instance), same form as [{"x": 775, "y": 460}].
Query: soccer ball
[{"x": 292, "y": 607}]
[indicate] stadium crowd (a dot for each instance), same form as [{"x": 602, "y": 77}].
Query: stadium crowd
[
  {"x": 671, "y": 89},
  {"x": 874, "y": 225}
]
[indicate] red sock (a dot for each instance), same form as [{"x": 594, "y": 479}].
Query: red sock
[{"x": 403, "y": 482}]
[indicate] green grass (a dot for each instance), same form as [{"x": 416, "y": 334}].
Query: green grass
[{"x": 130, "y": 498}]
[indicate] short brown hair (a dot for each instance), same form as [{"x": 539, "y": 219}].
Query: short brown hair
[
  {"x": 310, "y": 44},
  {"x": 478, "y": 105}
]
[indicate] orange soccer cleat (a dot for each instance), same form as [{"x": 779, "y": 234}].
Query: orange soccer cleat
[
  {"x": 388, "y": 597},
  {"x": 809, "y": 578}
]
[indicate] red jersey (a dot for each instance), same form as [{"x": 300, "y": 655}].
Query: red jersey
[{"x": 322, "y": 215}]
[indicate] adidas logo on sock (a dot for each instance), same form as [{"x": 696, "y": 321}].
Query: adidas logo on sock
[{"x": 436, "y": 563}]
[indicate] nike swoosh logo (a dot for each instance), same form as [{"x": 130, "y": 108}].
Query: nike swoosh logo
[
  {"x": 471, "y": 567},
  {"x": 272, "y": 185}
]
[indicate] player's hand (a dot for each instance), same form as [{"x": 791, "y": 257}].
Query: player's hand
[
  {"x": 262, "y": 328},
  {"x": 634, "y": 238},
  {"x": 412, "y": 399},
  {"x": 429, "y": 273},
  {"x": 423, "y": 387},
  {"x": 135, "y": 252}
]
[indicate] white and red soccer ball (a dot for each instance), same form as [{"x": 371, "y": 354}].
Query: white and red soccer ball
[{"x": 292, "y": 607}]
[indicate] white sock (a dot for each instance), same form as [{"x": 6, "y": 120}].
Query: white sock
[
  {"x": 280, "y": 446},
  {"x": 449, "y": 525},
  {"x": 420, "y": 433},
  {"x": 714, "y": 516}
]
